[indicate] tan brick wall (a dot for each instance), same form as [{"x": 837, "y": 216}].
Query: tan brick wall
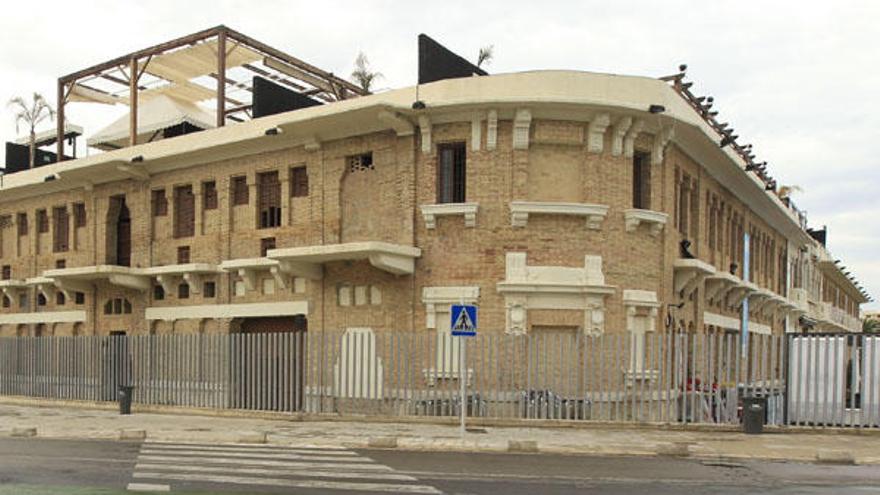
[{"x": 383, "y": 205}]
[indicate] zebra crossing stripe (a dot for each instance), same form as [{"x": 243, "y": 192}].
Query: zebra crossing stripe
[
  {"x": 239, "y": 448},
  {"x": 309, "y": 473},
  {"x": 147, "y": 487},
  {"x": 256, "y": 455},
  {"x": 291, "y": 483},
  {"x": 169, "y": 443},
  {"x": 363, "y": 466}
]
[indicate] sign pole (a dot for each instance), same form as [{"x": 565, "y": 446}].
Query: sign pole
[
  {"x": 462, "y": 377},
  {"x": 463, "y": 324}
]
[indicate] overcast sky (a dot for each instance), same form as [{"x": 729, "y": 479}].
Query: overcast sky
[{"x": 798, "y": 79}]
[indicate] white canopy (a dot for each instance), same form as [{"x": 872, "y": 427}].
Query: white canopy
[{"x": 154, "y": 114}]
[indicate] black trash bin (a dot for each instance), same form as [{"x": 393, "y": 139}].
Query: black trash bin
[
  {"x": 754, "y": 412},
  {"x": 125, "y": 392}
]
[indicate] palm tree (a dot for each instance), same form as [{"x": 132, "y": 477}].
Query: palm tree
[
  {"x": 485, "y": 56},
  {"x": 31, "y": 114},
  {"x": 362, "y": 73},
  {"x": 870, "y": 325}
]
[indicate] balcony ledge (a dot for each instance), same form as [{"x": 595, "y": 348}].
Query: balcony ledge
[
  {"x": 520, "y": 211},
  {"x": 655, "y": 220},
  {"x": 688, "y": 273},
  {"x": 468, "y": 210}
]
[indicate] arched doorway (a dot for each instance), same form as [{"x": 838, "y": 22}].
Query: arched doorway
[{"x": 118, "y": 232}]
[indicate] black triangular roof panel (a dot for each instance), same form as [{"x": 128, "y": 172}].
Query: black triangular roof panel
[{"x": 436, "y": 62}]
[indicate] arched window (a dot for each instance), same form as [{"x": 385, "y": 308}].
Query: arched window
[{"x": 117, "y": 306}]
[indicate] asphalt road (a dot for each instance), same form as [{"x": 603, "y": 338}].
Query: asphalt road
[{"x": 75, "y": 467}]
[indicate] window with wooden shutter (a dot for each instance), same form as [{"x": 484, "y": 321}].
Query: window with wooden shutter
[
  {"x": 209, "y": 195},
  {"x": 22, "y": 224},
  {"x": 269, "y": 199},
  {"x": 451, "y": 173},
  {"x": 299, "y": 182},
  {"x": 159, "y": 203},
  {"x": 61, "y": 230},
  {"x": 42, "y": 222},
  {"x": 158, "y": 292},
  {"x": 183, "y": 291},
  {"x": 79, "y": 298},
  {"x": 184, "y": 212},
  {"x": 7, "y": 272},
  {"x": 79, "y": 215},
  {"x": 239, "y": 191},
  {"x": 210, "y": 289},
  {"x": 59, "y": 264}
]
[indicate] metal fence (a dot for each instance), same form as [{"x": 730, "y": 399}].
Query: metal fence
[{"x": 656, "y": 377}]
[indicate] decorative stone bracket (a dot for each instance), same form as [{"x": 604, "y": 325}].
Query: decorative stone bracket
[
  {"x": 522, "y": 123},
  {"x": 520, "y": 211},
  {"x": 660, "y": 141},
  {"x": 596, "y": 132},
  {"x": 654, "y": 220},
  {"x": 431, "y": 212},
  {"x": 688, "y": 274}
]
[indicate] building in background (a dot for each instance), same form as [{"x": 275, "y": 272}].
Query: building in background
[{"x": 257, "y": 193}]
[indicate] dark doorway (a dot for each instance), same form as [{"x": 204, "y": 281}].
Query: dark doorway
[
  {"x": 118, "y": 232},
  {"x": 115, "y": 363},
  {"x": 269, "y": 363}
]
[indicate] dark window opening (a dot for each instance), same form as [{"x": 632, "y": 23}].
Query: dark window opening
[
  {"x": 360, "y": 163},
  {"x": 451, "y": 173},
  {"x": 209, "y": 195},
  {"x": 61, "y": 230},
  {"x": 22, "y": 301},
  {"x": 183, "y": 255},
  {"x": 158, "y": 293},
  {"x": 6, "y": 302},
  {"x": 184, "y": 212},
  {"x": 266, "y": 244},
  {"x": 60, "y": 299},
  {"x": 159, "y": 203},
  {"x": 42, "y": 222},
  {"x": 7, "y": 272},
  {"x": 79, "y": 215},
  {"x": 41, "y": 300},
  {"x": 119, "y": 241},
  {"x": 299, "y": 182},
  {"x": 210, "y": 289},
  {"x": 642, "y": 181},
  {"x": 22, "y": 224},
  {"x": 59, "y": 264},
  {"x": 117, "y": 306},
  {"x": 239, "y": 191},
  {"x": 183, "y": 291},
  {"x": 79, "y": 298},
  {"x": 269, "y": 199}
]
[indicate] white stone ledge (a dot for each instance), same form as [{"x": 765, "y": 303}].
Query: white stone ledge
[
  {"x": 520, "y": 211},
  {"x": 468, "y": 210},
  {"x": 45, "y": 317},
  {"x": 254, "y": 310},
  {"x": 655, "y": 220}
]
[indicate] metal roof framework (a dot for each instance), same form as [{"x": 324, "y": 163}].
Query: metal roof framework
[{"x": 192, "y": 69}]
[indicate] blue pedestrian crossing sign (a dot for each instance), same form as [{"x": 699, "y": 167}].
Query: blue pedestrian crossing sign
[{"x": 464, "y": 320}]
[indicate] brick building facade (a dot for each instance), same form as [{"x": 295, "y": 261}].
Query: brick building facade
[{"x": 555, "y": 200}]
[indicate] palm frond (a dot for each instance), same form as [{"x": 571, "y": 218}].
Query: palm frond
[
  {"x": 485, "y": 55},
  {"x": 362, "y": 73}
]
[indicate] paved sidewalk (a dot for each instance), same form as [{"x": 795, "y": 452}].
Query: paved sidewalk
[{"x": 79, "y": 422}]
